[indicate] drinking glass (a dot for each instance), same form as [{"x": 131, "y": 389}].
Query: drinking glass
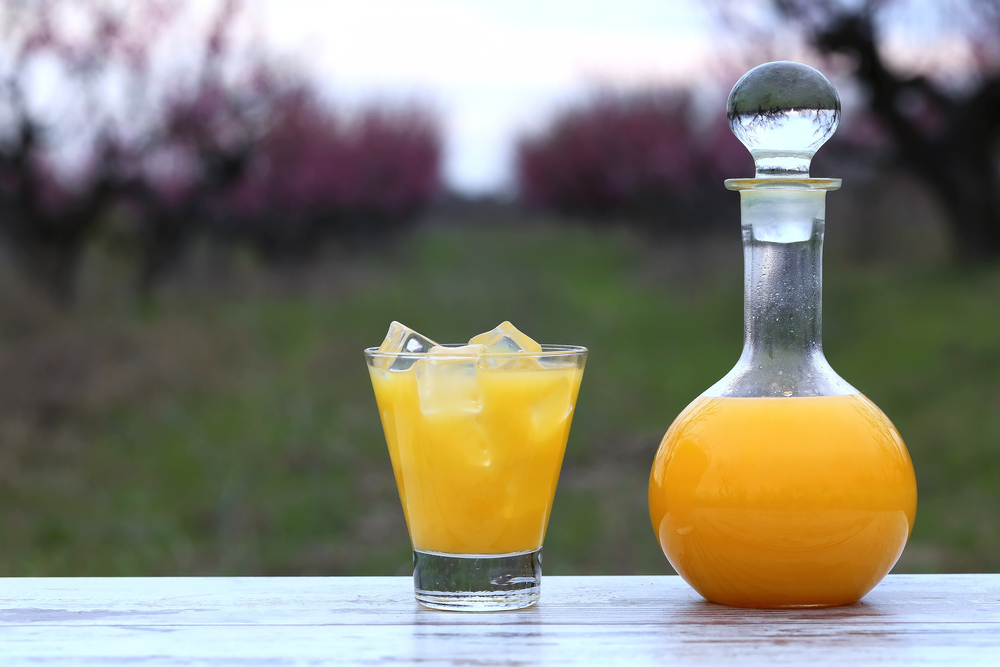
[{"x": 476, "y": 443}]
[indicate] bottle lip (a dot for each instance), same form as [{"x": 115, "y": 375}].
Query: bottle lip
[{"x": 741, "y": 184}]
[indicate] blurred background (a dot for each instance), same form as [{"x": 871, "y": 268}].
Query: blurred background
[{"x": 208, "y": 208}]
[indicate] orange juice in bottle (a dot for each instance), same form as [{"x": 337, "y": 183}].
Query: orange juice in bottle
[{"x": 782, "y": 485}]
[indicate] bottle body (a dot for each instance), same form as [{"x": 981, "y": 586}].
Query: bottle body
[
  {"x": 782, "y": 485},
  {"x": 782, "y": 502}
]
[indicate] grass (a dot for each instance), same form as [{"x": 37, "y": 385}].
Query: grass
[{"x": 231, "y": 428}]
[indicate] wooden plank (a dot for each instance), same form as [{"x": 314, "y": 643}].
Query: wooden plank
[{"x": 908, "y": 619}]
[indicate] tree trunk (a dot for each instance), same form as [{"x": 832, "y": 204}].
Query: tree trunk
[{"x": 949, "y": 143}]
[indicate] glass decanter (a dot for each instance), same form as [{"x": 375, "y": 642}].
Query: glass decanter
[{"x": 782, "y": 485}]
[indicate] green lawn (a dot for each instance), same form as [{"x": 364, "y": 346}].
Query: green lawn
[{"x": 231, "y": 429}]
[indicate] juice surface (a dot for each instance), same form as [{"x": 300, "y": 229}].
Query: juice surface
[
  {"x": 771, "y": 502},
  {"x": 476, "y": 452}
]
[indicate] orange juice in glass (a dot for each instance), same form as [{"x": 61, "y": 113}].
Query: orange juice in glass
[{"x": 476, "y": 434}]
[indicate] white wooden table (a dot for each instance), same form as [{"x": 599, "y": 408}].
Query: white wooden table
[{"x": 908, "y": 619}]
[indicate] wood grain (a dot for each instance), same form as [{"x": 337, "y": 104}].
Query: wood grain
[{"x": 908, "y": 619}]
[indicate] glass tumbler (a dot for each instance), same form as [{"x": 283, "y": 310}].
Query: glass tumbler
[{"x": 476, "y": 443}]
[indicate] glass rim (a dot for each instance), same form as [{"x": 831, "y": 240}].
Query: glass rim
[{"x": 548, "y": 350}]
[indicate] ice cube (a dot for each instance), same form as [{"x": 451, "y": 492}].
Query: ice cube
[
  {"x": 507, "y": 339},
  {"x": 404, "y": 340},
  {"x": 446, "y": 380},
  {"x": 552, "y": 408},
  {"x": 504, "y": 345}
]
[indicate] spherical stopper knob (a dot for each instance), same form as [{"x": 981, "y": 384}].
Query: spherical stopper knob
[{"x": 783, "y": 112}]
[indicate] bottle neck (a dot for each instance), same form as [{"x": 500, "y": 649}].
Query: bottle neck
[{"x": 783, "y": 291}]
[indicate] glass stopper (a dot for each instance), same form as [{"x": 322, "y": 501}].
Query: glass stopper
[{"x": 783, "y": 112}]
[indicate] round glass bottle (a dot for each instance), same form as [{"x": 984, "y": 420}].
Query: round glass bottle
[{"x": 782, "y": 485}]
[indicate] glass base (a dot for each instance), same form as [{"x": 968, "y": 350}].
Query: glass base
[{"x": 477, "y": 582}]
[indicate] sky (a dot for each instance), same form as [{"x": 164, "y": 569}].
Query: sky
[{"x": 493, "y": 69}]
